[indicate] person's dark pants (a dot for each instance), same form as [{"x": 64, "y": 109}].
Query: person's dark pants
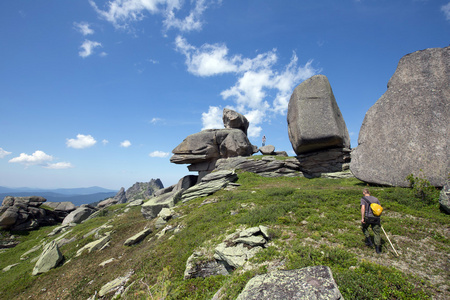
[{"x": 376, "y": 228}]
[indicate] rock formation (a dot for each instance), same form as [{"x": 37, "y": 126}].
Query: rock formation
[
  {"x": 316, "y": 128},
  {"x": 49, "y": 259},
  {"x": 408, "y": 128},
  {"x": 307, "y": 283},
  {"x": 79, "y": 215},
  {"x": 202, "y": 149},
  {"x": 232, "y": 119},
  {"x": 444, "y": 198},
  {"x": 314, "y": 119},
  {"x": 143, "y": 190},
  {"x": 25, "y": 213}
]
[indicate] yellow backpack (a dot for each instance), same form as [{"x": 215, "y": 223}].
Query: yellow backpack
[{"x": 376, "y": 209}]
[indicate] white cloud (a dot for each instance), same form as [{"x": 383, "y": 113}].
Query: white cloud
[
  {"x": 84, "y": 28},
  {"x": 104, "y": 142},
  {"x": 208, "y": 60},
  {"x": 159, "y": 154},
  {"x": 121, "y": 13},
  {"x": 446, "y": 10},
  {"x": 261, "y": 88},
  {"x": 125, "y": 144},
  {"x": 4, "y": 153},
  {"x": 59, "y": 166},
  {"x": 213, "y": 118},
  {"x": 155, "y": 120},
  {"x": 82, "y": 141},
  {"x": 87, "y": 48},
  {"x": 37, "y": 158}
]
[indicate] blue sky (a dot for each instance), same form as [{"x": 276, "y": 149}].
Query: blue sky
[{"x": 96, "y": 92}]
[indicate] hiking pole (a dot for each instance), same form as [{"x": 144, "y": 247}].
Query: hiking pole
[{"x": 389, "y": 240}]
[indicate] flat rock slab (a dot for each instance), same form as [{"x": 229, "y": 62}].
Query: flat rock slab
[
  {"x": 308, "y": 283},
  {"x": 153, "y": 207},
  {"x": 137, "y": 237},
  {"x": 49, "y": 259}
]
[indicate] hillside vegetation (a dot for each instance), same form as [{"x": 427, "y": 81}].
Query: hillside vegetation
[{"x": 311, "y": 222}]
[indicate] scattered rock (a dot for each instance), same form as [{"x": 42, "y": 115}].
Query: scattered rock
[
  {"x": 151, "y": 208},
  {"x": 138, "y": 237},
  {"x": 61, "y": 206},
  {"x": 106, "y": 262},
  {"x": 49, "y": 259},
  {"x": 196, "y": 267},
  {"x": 116, "y": 285},
  {"x": 444, "y": 198},
  {"x": 7, "y": 268},
  {"x": 137, "y": 202},
  {"x": 408, "y": 128},
  {"x": 307, "y": 283},
  {"x": 79, "y": 215},
  {"x": 95, "y": 245},
  {"x": 314, "y": 119},
  {"x": 34, "y": 249},
  {"x": 267, "y": 150}
]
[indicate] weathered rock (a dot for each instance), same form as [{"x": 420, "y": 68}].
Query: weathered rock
[
  {"x": 252, "y": 240},
  {"x": 115, "y": 285},
  {"x": 186, "y": 182},
  {"x": 95, "y": 245},
  {"x": 197, "y": 267},
  {"x": 61, "y": 206},
  {"x": 143, "y": 190},
  {"x": 137, "y": 202},
  {"x": 138, "y": 237},
  {"x": 232, "y": 119},
  {"x": 79, "y": 215},
  {"x": 314, "y": 119},
  {"x": 267, "y": 166},
  {"x": 211, "y": 144},
  {"x": 408, "y": 128},
  {"x": 267, "y": 150},
  {"x": 209, "y": 184},
  {"x": 152, "y": 207},
  {"x": 7, "y": 268},
  {"x": 49, "y": 259},
  {"x": 25, "y": 213},
  {"x": 313, "y": 164},
  {"x": 308, "y": 283},
  {"x": 121, "y": 196},
  {"x": 107, "y": 202},
  {"x": 444, "y": 198},
  {"x": 234, "y": 256}
]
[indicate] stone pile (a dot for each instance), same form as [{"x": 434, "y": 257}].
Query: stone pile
[
  {"x": 25, "y": 213},
  {"x": 233, "y": 253},
  {"x": 408, "y": 129},
  {"x": 201, "y": 150}
]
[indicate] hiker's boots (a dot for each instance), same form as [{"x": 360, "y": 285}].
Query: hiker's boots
[
  {"x": 378, "y": 249},
  {"x": 369, "y": 242}
]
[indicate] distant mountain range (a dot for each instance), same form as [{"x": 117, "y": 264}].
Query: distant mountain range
[{"x": 77, "y": 196}]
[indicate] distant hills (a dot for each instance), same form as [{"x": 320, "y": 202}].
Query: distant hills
[{"x": 77, "y": 196}]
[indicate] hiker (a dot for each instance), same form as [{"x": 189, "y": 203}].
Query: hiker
[
  {"x": 368, "y": 219},
  {"x": 263, "y": 140}
]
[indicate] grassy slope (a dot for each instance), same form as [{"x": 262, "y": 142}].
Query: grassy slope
[{"x": 312, "y": 221}]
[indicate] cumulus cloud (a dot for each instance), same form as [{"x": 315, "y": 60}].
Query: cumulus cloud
[
  {"x": 37, "y": 158},
  {"x": 446, "y": 10},
  {"x": 104, "y": 142},
  {"x": 121, "y": 13},
  {"x": 4, "y": 153},
  {"x": 83, "y": 28},
  {"x": 87, "y": 48},
  {"x": 59, "y": 166},
  {"x": 159, "y": 154},
  {"x": 82, "y": 141},
  {"x": 213, "y": 118},
  {"x": 125, "y": 144},
  {"x": 262, "y": 87}
]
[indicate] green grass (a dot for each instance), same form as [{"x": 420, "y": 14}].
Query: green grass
[{"x": 311, "y": 222}]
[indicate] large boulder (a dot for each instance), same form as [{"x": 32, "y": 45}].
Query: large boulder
[
  {"x": 152, "y": 207},
  {"x": 314, "y": 119},
  {"x": 25, "y": 213},
  {"x": 79, "y": 215},
  {"x": 49, "y": 259},
  {"x": 233, "y": 119},
  {"x": 307, "y": 283},
  {"x": 143, "y": 190},
  {"x": 408, "y": 128}
]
